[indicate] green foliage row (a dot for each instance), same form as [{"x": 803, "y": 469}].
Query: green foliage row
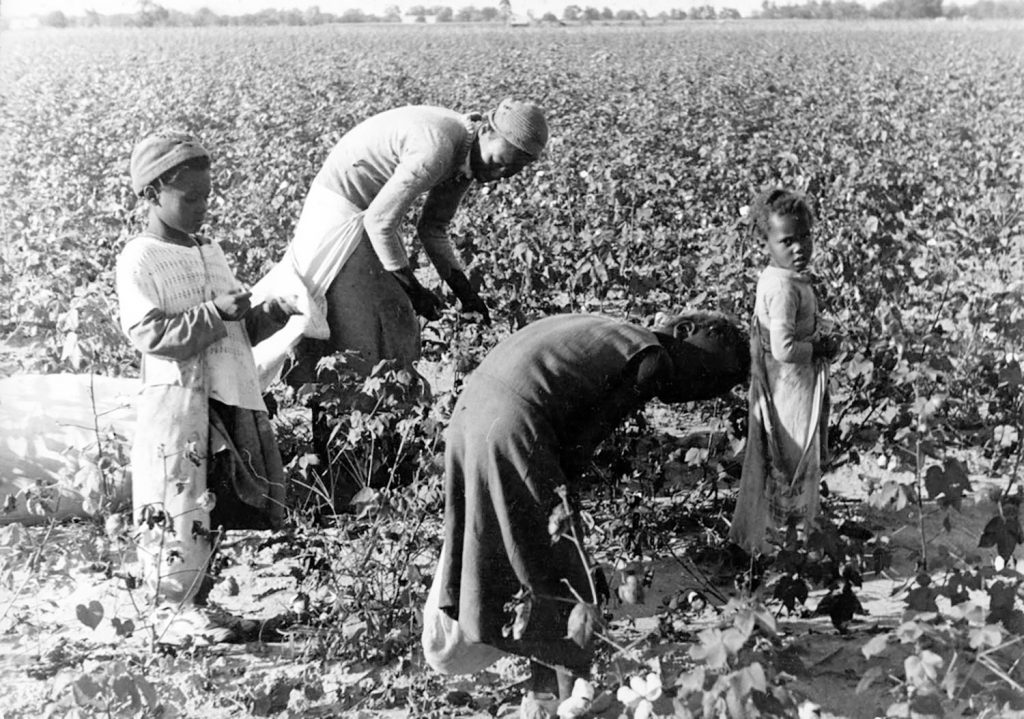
[{"x": 637, "y": 206}]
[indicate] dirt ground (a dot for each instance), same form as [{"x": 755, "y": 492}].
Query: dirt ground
[{"x": 44, "y": 645}]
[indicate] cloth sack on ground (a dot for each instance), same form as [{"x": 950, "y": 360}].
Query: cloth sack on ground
[
  {"x": 445, "y": 647},
  {"x": 48, "y": 443}
]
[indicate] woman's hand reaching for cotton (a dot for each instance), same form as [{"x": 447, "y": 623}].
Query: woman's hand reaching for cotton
[
  {"x": 233, "y": 306},
  {"x": 825, "y": 348},
  {"x": 472, "y": 303}
]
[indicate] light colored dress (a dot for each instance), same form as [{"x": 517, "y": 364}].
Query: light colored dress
[
  {"x": 788, "y": 417},
  {"x": 192, "y": 361}
]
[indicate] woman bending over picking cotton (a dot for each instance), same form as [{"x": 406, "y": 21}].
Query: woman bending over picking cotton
[{"x": 526, "y": 423}]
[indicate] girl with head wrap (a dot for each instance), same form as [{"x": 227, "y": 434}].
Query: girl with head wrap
[{"x": 204, "y": 456}]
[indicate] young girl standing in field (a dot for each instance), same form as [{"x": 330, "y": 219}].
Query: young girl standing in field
[
  {"x": 204, "y": 454},
  {"x": 790, "y": 352}
]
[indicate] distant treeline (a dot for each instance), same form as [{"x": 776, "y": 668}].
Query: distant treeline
[
  {"x": 155, "y": 15},
  {"x": 893, "y": 9}
]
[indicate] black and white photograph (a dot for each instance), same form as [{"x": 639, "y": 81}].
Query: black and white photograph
[{"x": 512, "y": 359}]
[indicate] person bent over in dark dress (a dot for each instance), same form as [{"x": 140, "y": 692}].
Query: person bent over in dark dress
[{"x": 526, "y": 423}]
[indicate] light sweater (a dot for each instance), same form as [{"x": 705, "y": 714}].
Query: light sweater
[
  {"x": 387, "y": 161},
  {"x": 166, "y": 296}
]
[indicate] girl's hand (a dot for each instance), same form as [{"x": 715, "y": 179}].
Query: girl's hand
[
  {"x": 234, "y": 305},
  {"x": 279, "y": 309}
]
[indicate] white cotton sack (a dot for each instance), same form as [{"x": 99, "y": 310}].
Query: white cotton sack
[{"x": 445, "y": 647}]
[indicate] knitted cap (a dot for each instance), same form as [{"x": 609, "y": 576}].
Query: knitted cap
[
  {"x": 522, "y": 124},
  {"x": 158, "y": 153}
]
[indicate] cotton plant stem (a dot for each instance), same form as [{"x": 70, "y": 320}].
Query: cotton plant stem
[
  {"x": 918, "y": 477},
  {"x": 373, "y": 543},
  {"x": 1014, "y": 665},
  {"x": 99, "y": 441},
  {"x": 619, "y": 649},
  {"x": 398, "y": 456},
  {"x": 1002, "y": 646},
  {"x": 199, "y": 578},
  {"x": 707, "y": 460},
  {"x": 407, "y": 558},
  {"x": 967, "y": 677},
  {"x": 576, "y": 594},
  {"x": 578, "y": 541},
  {"x": 28, "y": 574},
  {"x": 984, "y": 659},
  {"x": 702, "y": 580},
  {"x": 163, "y": 533},
  {"x": 553, "y": 667},
  {"x": 919, "y": 480},
  {"x": 29, "y": 570},
  {"x": 998, "y": 671},
  {"x": 563, "y": 600},
  {"x": 1016, "y": 466},
  {"x": 624, "y": 650},
  {"x": 166, "y": 519}
]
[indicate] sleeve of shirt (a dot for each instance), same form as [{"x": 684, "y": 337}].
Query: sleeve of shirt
[
  {"x": 654, "y": 373},
  {"x": 438, "y": 211},
  {"x": 782, "y": 301},
  {"x": 181, "y": 336},
  {"x": 153, "y": 331},
  {"x": 423, "y": 165}
]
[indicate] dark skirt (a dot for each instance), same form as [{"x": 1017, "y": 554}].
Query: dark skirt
[
  {"x": 502, "y": 469},
  {"x": 244, "y": 471},
  {"x": 368, "y": 313}
]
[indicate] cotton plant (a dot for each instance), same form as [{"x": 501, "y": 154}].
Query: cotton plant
[
  {"x": 579, "y": 703},
  {"x": 640, "y": 695}
]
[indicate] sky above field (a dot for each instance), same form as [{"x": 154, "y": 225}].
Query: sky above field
[{"x": 25, "y": 8}]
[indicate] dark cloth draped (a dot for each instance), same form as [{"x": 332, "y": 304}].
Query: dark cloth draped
[{"x": 245, "y": 471}]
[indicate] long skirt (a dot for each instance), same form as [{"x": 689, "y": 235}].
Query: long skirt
[
  {"x": 198, "y": 465},
  {"x": 502, "y": 468},
  {"x": 787, "y": 442},
  {"x": 368, "y": 313}
]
